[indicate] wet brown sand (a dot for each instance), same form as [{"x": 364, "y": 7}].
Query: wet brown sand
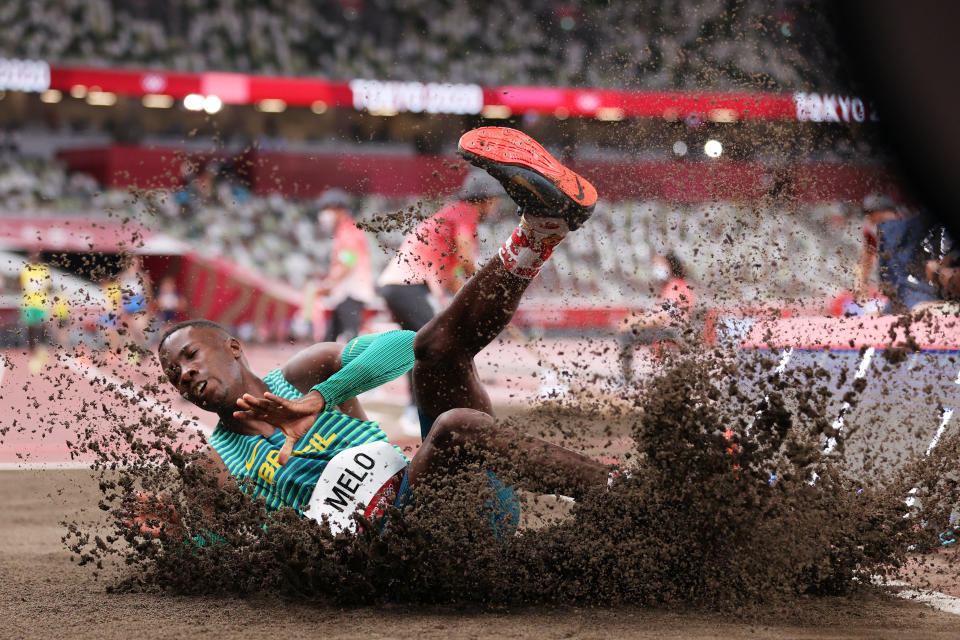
[{"x": 43, "y": 594}]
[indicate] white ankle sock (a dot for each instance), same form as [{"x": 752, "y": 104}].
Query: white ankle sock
[{"x": 524, "y": 253}]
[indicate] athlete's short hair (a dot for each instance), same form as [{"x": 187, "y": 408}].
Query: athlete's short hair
[{"x": 199, "y": 322}]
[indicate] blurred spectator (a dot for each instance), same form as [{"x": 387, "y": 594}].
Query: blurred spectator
[
  {"x": 113, "y": 309},
  {"x": 125, "y": 316},
  {"x": 134, "y": 291},
  {"x": 662, "y": 327},
  {"x": 677, "y": 299},
  {"x": 349, "y": 281},
  {"x": 169, "y": 304},
  {"x": 435, "y": 259},
  {"x": 35, "y": 283},
  {"x": 945, "y": 275},
  {"x": 901, "y": 245},
  {"x": 61, "y": 320},
  {"x": 878, "y": 208}
]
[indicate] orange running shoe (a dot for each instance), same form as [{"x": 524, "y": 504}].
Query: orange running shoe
[{"x": 533, "y": 178}]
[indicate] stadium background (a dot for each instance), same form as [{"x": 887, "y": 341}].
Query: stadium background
[
  {"x": 230, "y": 163},
  {"x": 199, "y": 134}
]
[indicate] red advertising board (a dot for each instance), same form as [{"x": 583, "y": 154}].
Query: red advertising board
[{"x": 389, "y": 97}]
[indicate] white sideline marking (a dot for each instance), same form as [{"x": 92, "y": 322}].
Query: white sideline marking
[
  {"x": 3, "y": 369},
  {"x": 838, "y": 423},
  {"x": 784, "y": 359},
  {"x": 149, "y": 404},
  {"x": 781, "y": 367},
  {"x": 935, "y": 599},
  {"x": 947, "y": 414},
  {"x": 913, "y": 361},
  {"x": 42, "y": 466}
]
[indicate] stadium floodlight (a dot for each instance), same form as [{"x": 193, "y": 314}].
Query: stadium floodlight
[
  {"x": 51, "y": 96},
  {"x": 722, "y": 115},
  {"x": 609, "y": 114},
  {"x": 101, "y": 98},
  {"x": 193, "y": 102},
  {"x": 680, "y": 148},
  {"x": 713, "y": 148},
  {"x": 272, "y": 105},
  {"x": 157, "y": 101},
  {"x": 212, "y": 104},
  {"x": 496, "y": 111},
  {"x": 318, "y": 107}
]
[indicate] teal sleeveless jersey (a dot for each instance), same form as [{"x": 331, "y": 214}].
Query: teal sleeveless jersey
[{"x": 254, "y": 458}]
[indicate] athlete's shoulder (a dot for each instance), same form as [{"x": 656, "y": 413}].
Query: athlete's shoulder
[
  {"x": 309, "y": 367},
  {"x": 278, "y": 384}
]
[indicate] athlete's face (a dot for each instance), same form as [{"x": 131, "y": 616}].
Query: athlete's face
[
  {"x": 488, "y": 206},
  {"x": 205, "y": 365}
]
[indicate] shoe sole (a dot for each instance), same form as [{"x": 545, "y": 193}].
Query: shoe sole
[{"x": 490, "y": 148}]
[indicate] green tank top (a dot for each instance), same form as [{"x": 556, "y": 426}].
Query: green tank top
[{"x": 254, "y": 457}]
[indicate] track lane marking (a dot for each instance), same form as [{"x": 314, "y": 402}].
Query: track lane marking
[
  {"x": 838, "y": 423},
  {"x": 936, "y": 599}
]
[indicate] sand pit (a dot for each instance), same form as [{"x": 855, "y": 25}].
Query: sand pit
[
  {"x": 44, "y": 595},
  {"x": 42, "y": 574}
]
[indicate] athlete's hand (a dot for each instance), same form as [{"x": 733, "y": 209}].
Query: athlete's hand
[
  {"x": 149, "y": 513},
  {"x": 293, "y": 417}
]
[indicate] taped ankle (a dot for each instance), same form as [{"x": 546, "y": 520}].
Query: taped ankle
[{"x": 531, "y": 244}]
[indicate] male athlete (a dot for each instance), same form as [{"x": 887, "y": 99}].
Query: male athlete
[{"x": 281, "y": 433}]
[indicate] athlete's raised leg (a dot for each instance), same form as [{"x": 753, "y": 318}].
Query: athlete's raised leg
[
  {"x": 552, "y": 200},
  {"x": 444, "y": 374}
]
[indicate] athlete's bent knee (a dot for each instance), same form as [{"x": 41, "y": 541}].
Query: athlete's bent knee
[
  {"x": 428, "y": 345},
  {"x": 435, "y": 343}
]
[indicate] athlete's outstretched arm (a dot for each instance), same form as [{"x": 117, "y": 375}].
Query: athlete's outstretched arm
[
  {"x": 153, "y": 514},
  {"x": 340, "y": 373},
  {"x": 330, "y": 374},
  {"x": 315, "y": 364},
  {"x": 365, "y": 363}
]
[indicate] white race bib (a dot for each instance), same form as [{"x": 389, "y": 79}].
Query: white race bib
[{"x": 351, "y": 481}]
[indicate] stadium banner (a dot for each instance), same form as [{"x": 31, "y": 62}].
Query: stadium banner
[
  {"x": 24, "y": 75},
  {"x": 390, "y": 97},
  {"x": 815, "y": 107}
]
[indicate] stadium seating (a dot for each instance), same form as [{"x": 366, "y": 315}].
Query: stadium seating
[
  {"x": 665, "y": 44},
  {"x": 735, "y": 253}
]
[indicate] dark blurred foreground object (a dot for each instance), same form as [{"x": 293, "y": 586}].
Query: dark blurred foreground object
[{"x": 907, "y": 53}]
